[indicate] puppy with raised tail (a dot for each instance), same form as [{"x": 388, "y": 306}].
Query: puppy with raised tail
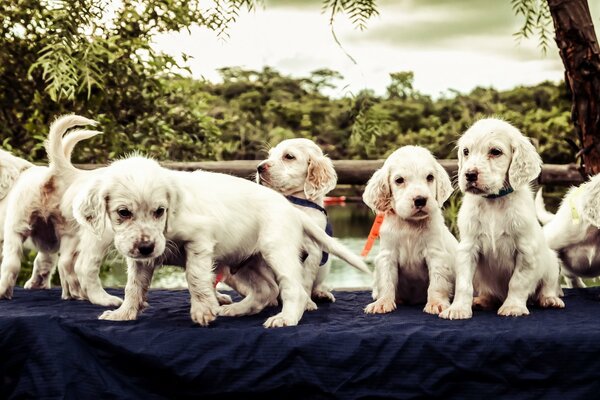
[
  {"x": 415, "y": 263},
  {"x": 502, "y": 253},
  {"x": 574, "y": 232}
]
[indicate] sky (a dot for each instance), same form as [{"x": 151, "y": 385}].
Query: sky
[{"x": 448, "y": 44}]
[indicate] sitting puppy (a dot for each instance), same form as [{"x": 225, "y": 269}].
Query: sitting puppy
[
  {"x": 574, "y": 231},
  {"x": 298, "y": 169},
  {"x": 217, "y": 218},
  {"x": 416, "y": 260},
  {"x": 502, "y": 250},
  {"x": 35, "y": 216}
]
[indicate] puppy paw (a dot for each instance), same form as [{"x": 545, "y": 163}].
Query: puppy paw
[
  {"x": 323, "y": 295},
  {"x": 223, "y": 298},
  {"x": 551, "y": 302},
  {"x": 311, "y": 305},
  {"x": 6, "y": 292},
  {"x": 120, "y": 314},
  {"x": 457, "y": 312},
  {"x": 436, "y": 307},
  {"x": 105, "y": 299},
  {"x": 381, "y": 306},
  {"x": 37, "y": 284},
  {"x": 203, "y": 314},
  {"x": 279, "y": 321},
  {"x": 513, "y": 310}
]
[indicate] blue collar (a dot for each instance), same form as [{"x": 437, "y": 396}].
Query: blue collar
[
  {"x": 307, "y": 203},
  {"x": 503, "y": 192}
]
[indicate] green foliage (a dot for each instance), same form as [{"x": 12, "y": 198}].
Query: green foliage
[{"x": 537, "y": 21}]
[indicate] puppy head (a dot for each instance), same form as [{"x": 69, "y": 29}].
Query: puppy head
[
  {"x": 135, "y": 197},
  {"x": 297, "y": 166},
  {"x": 411, "y": 183},
  {"x": 493, "y": 154},
  {"x": 590, "y": 200}
]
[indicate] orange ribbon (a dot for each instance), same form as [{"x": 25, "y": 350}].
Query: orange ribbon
[{"x": 373, "y": 235}]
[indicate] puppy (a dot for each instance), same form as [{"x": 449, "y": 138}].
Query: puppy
[
  {"x": 574, "y": 231},
  {"x": 298, "y": 169},
  {"x": 416, "y": 261},
  {"x": 35, "y": 216},
  {"x": 217, "y": 218},
  {"x": 502, "y": 249}
]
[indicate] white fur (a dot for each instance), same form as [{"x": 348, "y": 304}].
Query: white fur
[
  {"x": 502, "y": 250},
  {"x": 34, "y": 214},
  {"x": 416, "y": 259},
  {"x": 216, "y": 218},
  {"x": 575, "y": 238}
]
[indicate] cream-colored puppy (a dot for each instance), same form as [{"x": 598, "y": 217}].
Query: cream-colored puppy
[
  {"x": 298, "y": 169},
  {"x": 502, "y": 249},
  {"x": 574, "y": 232},
  {"x": 415, "y": 263}
]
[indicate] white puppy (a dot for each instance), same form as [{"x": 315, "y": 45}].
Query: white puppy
[
  {"x": 298, "y": 169},
  {"x": 502, "y": 249},
  {"x": 217, "y": 218},
  {"x": 574, "y": 231},
  {"x": 31, "y": 211},
  {"x": 415, "y": 263}
]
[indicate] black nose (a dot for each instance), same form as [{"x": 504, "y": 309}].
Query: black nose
[
  {"x": 420, "y": 201},
  {"x": 146, "y": 248},
  {"x": 471, "y": 176},
  {"x": 261, "y": 168}
]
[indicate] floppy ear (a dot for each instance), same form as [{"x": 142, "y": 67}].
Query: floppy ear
[
  {"x": 443, "y": 185},
  {"x": 89, "y": 208},
  {"x": 8, "y": 176},
  {"x": 526, "y": 163},
  {"x": 591, "y": 201},
  {"x": 173, "y": 207},
  {"x": 378, "y": 195},
  {"x": 320, "y": 177}
]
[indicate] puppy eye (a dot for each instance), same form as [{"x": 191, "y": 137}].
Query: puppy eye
[
  {"x": 124, "y": 213},
  {"x": 288, "y": 156},
  {"x": 159, "y": 212},
  {"x": 465, "y": 152},
  {"x": 430, "y": 178},
  {"x": 495, "y": 152},
  {"x": 399, "y": 180}
]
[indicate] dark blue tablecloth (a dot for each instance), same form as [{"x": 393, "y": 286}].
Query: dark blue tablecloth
[{"x": 51, "y": 348}]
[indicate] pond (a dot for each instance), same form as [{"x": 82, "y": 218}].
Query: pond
[{"x": 351, "y": 225}]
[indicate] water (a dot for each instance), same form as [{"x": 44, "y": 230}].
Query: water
[{"x": 351, "y": 224}]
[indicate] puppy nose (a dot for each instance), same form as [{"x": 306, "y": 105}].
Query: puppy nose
[
  {"x": 420, "y": 201},
  {"x": 146, "y": 248},
  {"x": 262, "y": 167},
  {"x": 471, "y": 176}
]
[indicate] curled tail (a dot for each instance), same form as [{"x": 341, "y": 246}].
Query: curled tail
[
  {"x": 331, "y": 245},
  {"x": 543, "y": 215},
  {"x": 59, "y": 150}
]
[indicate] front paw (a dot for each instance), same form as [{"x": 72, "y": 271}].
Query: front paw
[
  {"x": 436, "y": 306},
  {"x": 279, "y": 321},
  {"x": 311, "y": 305},
  {"x": 203, "y": 314},
  {"x": 323, "y": 295},
  {"x": 120, "y": 314},
  {"x": 35, "y": 284},
  {"x": 513, "y": 310},
  {"x": 551, "y": 302},
  {"x": 381, "y": 306},
  {"x": 6, "y": 291},
  {"x": 456, "y": 311},
  {"x": 223, "y": 298}
]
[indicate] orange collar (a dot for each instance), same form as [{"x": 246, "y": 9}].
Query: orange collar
[{"x": 373, "y": 235}]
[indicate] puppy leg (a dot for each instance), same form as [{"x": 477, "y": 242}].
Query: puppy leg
[
  {"x": 550, "y": 290},
  {"x": 466, "y": 262},
  {"x": 139, "y": 276},
  {"x": 71, "y": 289},
  {"x": 87, "y": 269},
  {"x": 438, "y": 292},
  {"x": 385, "y": 286},
  {"x": 522, "y": 283},
  {"x": 200, "y": 279},
  {"x": 41, "y": 275},
  {"x": 12, "y": 251},
  {"x": 320, "y": 291}
]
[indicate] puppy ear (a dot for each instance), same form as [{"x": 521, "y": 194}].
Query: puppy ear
[
  {"x": 89, "y": 208},
  {"x": 320, "y": 177},
  {"x": 378, "y": 195},
  {"x": 8, "y": 176},
  {"x": 173, "y": 207},
  {"x": 590, "y": 199},
  {"x": 526, "y": 163},
  {"x": 443, "y": 185}
]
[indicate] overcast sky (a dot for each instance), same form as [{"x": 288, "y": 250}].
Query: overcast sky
[{"x": 449, "y": 44}]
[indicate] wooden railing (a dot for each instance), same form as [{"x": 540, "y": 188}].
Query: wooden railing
[{"x": 358, "y": 172}]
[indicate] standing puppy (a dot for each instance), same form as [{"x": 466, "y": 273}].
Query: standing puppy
[
  {"x": 298, "y": 169},
  {"x": 416, "y": 260},
  {"x": 502, "y": 248}
]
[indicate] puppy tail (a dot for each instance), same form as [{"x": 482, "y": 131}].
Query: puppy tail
[
  {"x": 331, "y": 245},
  {"x": 59, "y": 149},
  {"x": 543, "y": 215}
]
